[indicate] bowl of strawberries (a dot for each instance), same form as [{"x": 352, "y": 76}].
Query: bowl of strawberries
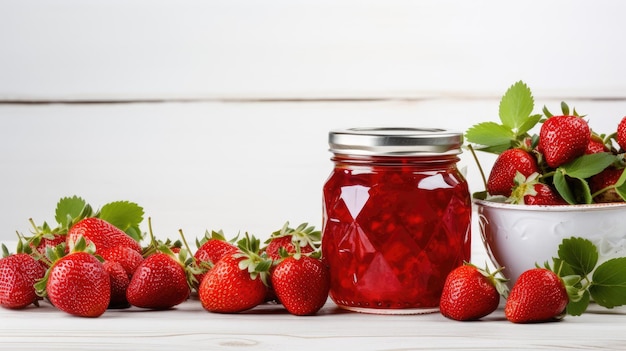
[{"x": 554, "y": 178}]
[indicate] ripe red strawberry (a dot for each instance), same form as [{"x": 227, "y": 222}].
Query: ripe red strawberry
[
  {"x": 237, "y": 282},
  {"x": 506, "y": 166},
  {"x": 79, "y": 285},
  {"x": 538, "y": 295},
  {"x": 100, "y": 232},
  {"x": 18, "y": 274},
  {"x": 470, "y": 293},
  {"x": 119, "y": 284},
  {"x": 563, "y": 138},
  {"x": 160, "y": 282},
  {"x": 226, "y": 288},
  {"x": 602, "y": 185},
  {"x": 301, "y": 283},
  {"x": 621, "y": 133},
  {"x": 127, "y": 257}
]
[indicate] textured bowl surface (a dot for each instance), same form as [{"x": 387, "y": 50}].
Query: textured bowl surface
[{"x": 518, "y": 236}]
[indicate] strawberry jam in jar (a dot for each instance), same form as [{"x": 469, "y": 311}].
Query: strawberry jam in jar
[{"x": 396, "y": 218}]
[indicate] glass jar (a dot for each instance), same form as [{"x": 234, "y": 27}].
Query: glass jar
[{"x": 396, "y": 218}]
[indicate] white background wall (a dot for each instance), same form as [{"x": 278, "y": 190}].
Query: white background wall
[{"x": 215, "y": 114}]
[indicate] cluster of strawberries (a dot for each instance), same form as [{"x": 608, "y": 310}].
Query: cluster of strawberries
[
  {"x": 517, "y": 172},
  {"x": 95, "y": 266},
  {"x": 565, "y": 163}
]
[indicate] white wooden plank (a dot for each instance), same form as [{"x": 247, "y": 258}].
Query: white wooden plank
[
  {"x": 192, "y": 49},
  {"x": 197, "y": 166}
]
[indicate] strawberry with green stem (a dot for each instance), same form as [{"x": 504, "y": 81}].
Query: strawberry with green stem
[
  {"x": 539, "y": 295},
  {"x": 18, "y": 274},
  {"x": 544, "y": 294},
  {"x": 162, "y": 280},
  {"x": 77, "y": 282},
  {"x": 238, "y": 281},
  {"x": 508, "y": 164},
  {"x": 301, "y": 282},
  {"x": 470, "y": 293}
]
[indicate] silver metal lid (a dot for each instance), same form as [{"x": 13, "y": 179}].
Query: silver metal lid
[{"x": 395, "y": 141}]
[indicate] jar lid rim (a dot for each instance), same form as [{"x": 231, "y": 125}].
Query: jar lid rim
[{"x": 395, "y": 141}]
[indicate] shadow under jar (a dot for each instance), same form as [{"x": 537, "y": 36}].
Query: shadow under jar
[{"x": 396, "y": 218}]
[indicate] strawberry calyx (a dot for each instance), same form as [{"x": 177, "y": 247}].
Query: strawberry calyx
[
  {"x": 257, "y": 264},
  {"x": 565, "y": 111},
  {"x": 575, "y": 290},
  {"x": 301, "y": 236},
  {"x": 495, "y": 277},
  {"x": 189, "y": 263}
]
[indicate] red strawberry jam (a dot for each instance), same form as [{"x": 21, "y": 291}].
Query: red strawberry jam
[{"x": 396, "y": 220}]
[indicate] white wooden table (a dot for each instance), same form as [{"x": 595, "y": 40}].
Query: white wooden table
[{"x": 269, "y": 327}]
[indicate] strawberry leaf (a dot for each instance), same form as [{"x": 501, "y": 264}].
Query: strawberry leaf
[
  {"x": 530, "y": 122},
  {"x": 608, "y": 288},
  {"x": 580, "y": 254},
  {"x": 490, "y": 134},
  {"x": 576, "y": 308},
  {"x": 123, "y": 214},
  {"x": 562, "y": 187},
  {"x": 588, "y": 165},
  {"x": 67, "y": 209},
  {"x": 516, "y": 105}
]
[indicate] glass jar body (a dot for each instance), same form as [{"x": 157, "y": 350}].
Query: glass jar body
[{"x": 393, "y": 228}]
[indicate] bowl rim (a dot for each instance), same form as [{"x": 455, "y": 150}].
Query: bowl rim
[{"x": 551, "y": 208}]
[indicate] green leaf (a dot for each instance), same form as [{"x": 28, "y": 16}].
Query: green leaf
[
  {"x": 135, "y": 232},
  {"x": 608, "y": 288},
  {"x": 516, "y": 105},
  {"x": 490, "y": 134},
  {"x": 576, "y": 308},
  {"x": 588, "y": 165},
  {"x": 496, "y": 149},
  {"x": 580, "y": 254},
  {"x": 562, "y": 187},
  {"x": 122, "y": 214},
  {"x": 69, "y": 208},
  {"x": 530, "y": 122}
]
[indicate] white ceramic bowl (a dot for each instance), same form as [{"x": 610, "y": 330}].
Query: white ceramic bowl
[{"x": 518, "y": 236}]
